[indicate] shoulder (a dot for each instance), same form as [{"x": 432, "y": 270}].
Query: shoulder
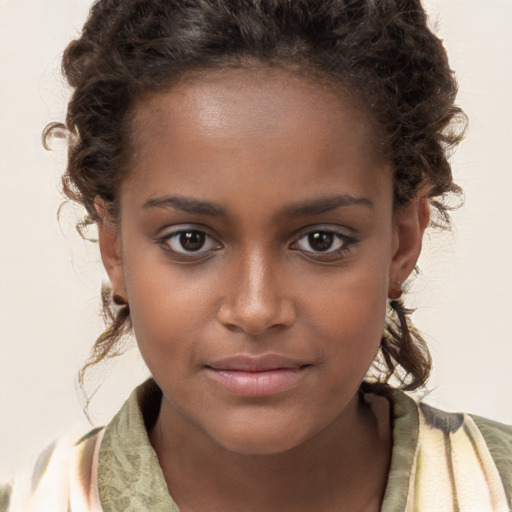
[
  {"x": 466, "y": 457},
  {"x": 498, "y": 438},
  {"x": 62, "y": 478}
]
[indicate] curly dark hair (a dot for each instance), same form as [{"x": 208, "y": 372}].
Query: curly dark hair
[{"x": 382, "y": 50}]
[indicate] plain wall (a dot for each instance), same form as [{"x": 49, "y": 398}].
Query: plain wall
[{"x": 50, "y": 278}]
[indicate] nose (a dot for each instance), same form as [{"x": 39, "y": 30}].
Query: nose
[{"x": 256, "y": 298}]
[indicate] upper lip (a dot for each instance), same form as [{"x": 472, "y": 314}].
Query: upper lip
[{"x": 262, "y": 363}]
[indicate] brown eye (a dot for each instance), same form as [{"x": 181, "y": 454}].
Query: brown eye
[
  {"x": 192, "y": 240},
  {"x": 321, "y": 241}
]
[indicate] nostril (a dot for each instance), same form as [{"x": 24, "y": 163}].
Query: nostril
[{"x": 255, "y": 319}]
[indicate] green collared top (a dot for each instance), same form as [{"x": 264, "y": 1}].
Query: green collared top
[{"x": 440, "y": 462}]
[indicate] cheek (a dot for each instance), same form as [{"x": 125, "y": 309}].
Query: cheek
[
  {"x": 356, "y": 318},
  {"x": 349, "y": 309},
  {"x": 169, "y": 306}
]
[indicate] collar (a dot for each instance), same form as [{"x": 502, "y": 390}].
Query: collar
[{"x": 130, "y": 477}]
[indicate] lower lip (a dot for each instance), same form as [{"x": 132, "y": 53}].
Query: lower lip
[{"x": 262, "y": 383}]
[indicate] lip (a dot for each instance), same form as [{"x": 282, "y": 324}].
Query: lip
[
  {"x": 256, "y": 376},
  {"x": 248, "y": 363}
]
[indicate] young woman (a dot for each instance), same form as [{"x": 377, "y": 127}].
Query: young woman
[{"x": 261, "y": 174}]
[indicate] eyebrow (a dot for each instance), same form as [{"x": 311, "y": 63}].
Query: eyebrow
[
  {"x": 186, "y": 204},
  {"x": 324, "y": 204},
  {"x": 301, "y": 209}
]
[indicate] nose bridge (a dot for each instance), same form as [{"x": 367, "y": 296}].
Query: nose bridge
[
  {"x": 256, "y": 287},
  {"x": 257, "y": 300}
]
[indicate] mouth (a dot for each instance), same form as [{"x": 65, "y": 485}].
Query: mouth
[{"x": 256, "y": 376}]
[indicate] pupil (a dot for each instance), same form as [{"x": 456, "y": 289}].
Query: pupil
[
  {"x": 192, "y": 240},
  {"x": 321, "y": 241}
]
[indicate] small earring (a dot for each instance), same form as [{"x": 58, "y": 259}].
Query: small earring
[
  {"x": 119, "y": 300},
  {"x": 395, "y": 292}
]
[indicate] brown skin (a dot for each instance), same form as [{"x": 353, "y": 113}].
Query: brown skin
[{"x": 257, "y": 144}]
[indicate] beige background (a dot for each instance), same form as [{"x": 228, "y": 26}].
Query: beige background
[{"x": 50, "y": 279}]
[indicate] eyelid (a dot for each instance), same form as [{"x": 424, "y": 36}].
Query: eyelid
[
  {"x": 341, "y": 231},
  {"x": 348, "y": 241},
  {"x": 175, "y": 231}
]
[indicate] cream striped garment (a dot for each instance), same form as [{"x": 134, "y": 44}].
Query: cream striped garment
[{"x": 441, "y": 462}]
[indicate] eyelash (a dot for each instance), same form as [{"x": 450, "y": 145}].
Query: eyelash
[
  {"x": 345, "y": 244},
  {"x": 191, "y": 255}
]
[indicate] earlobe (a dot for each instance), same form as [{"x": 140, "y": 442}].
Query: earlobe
[
  {"x": 111, "y": 255},
  {"x": 411, "y": 221}
]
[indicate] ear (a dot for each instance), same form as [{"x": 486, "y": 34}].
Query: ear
[
  {"x": 411, "y": 221},
  {"x": 110, "y": 248}
]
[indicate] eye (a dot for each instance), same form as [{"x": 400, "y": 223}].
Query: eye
[
  {"x": 326, "y": 243},
  {"x": 189, "y": 242},
  {"x": 320, "y": 241}
]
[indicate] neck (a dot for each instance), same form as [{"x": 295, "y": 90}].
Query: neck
[{"x": 342, "y": 468}]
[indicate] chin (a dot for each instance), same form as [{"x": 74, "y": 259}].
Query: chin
[
  {"x": 266, "y": 440},
  {"x": 261, "y": 446}
]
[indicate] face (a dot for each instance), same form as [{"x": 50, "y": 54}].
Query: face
[{"x": 256, "y": 246}]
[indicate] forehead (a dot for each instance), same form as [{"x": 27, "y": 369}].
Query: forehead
[
  {"x": 252, "y": 102},
  {"x": 252, "y": 124}
]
